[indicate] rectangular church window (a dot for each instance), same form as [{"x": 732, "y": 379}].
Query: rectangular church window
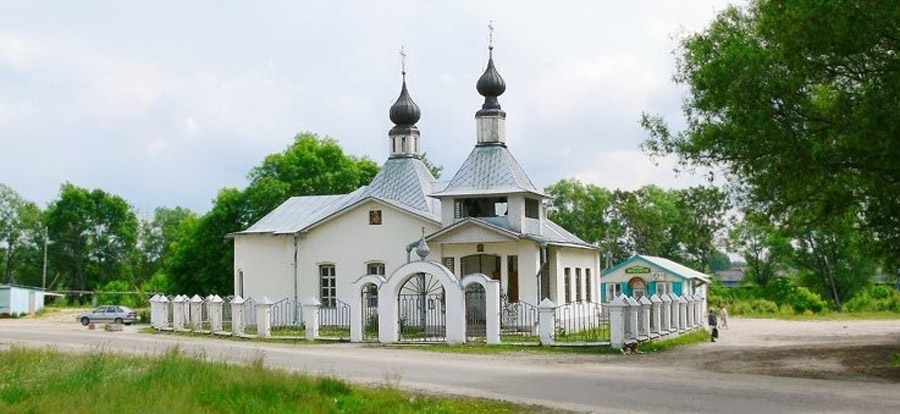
[
  {"x": 568, "y": 285},
  {"x": 375, "y": 268},
  {"x": 532, "y": 208},
  {"x": 578, "y": 296},
  {"x": 449, "y": 263},
  {"x": 588, "y": 289},
  {"x": 327, "y": 286},
  {"x": 375, "y": 217}
]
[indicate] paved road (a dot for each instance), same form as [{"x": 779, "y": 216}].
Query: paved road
[{"x": 592, "y": 386}]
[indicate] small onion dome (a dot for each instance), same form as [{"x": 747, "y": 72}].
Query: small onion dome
[
  {"x": 491, "y": 85},
  {"x": 405, "y": 111},
  {"x": 422, "y": 248}
]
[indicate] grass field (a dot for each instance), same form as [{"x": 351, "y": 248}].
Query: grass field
[
  {"x": 51, "y": 382},
  {"x": 666, "y": 344}
]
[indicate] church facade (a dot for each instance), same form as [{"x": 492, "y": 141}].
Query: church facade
[{"x": 488, "y": 219}]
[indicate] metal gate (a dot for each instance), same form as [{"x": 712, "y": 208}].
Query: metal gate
[
  {"x": 518, "y": 321},
  {"x": 369, "y": 302},
  {"x": 287, "y": 318},
  {"x": 421, "y": 310},
  {"x": 476, "y": 318},
  {"x": 334, "y": 321}
]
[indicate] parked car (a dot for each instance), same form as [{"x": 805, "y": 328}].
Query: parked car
[{"x": 115, "y": 314}]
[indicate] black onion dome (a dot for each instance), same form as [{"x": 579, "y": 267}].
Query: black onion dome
[
  {"x": 405, "y": 111},
  {"x": 491, "y": 85}
]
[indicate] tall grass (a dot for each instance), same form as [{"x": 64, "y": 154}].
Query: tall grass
[{"x": 97, "y": 382}]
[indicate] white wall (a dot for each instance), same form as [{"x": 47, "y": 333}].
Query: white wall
[
  {"x": 267, "y": 263},
  {"x": 574, "y": 257},
  {"x": 16, "y": 300},
  {"x": 349, "y": 243}
]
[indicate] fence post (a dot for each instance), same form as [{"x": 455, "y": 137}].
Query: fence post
[
  {"x": 655, "y": 303},
  {"x": 196, "y": 311},
  {"x": 699, "y": 312},
  {"x": 154, "y": 311},
  {"x": 310, "y": 307},
  {"x": 264, "y": 317},
  {"x": 178, "y": 312},
  {"x": 492, "y": 312},
  {"x": 214, "y": 310},
  {"x": 645, "y": 321},
  {"x": 546, "y": 321},
  {"x": 666, "y": 315},
  {"x": 633, "y": 309},
  {"x": 237, "y": 315},
  {"x": 690, "y": 311},
  {"x": 617, "y": 322},
  {"x": 683, "y": 309}
]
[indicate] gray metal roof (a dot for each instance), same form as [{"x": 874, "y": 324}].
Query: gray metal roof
[
  {"x": 401, "y": 182},
  {"x": 489, "y": 169},
  {"x": 552, "y": 233}
]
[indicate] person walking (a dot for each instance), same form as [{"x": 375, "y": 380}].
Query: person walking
[
  {"x": 723, "y": 314},
  {"x": 713, "y": 322}
]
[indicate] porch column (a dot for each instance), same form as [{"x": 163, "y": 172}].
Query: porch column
[
  {"x": 310, "y": 307},
  {"x": 264, "y": 317},
  {"x": 196, "y": 305},
  {"x": 645, "y": 319},
  {"x": 666, "y": 314},
  {"x": 698, "y": 309},
  {"x": 617, "y": 322},
  {"x": 546, "y": 321},
  {"x": 655, "y": 303},
  {"x": 214, "y": 311},
  {"x": 237, "y": 315}
]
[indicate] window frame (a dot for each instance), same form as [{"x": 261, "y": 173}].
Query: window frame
[
  {"x": 579, "y": 292},
  {"x": 328, "y": 294},
  {"x": 375, "y": 263},
  {"x": 567, "y": 284}
]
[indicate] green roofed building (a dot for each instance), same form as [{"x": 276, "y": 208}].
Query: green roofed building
[{"x": 642, "y": 275}]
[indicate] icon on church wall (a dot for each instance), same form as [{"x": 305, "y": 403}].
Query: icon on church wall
[{"x": 375, "y": 217}]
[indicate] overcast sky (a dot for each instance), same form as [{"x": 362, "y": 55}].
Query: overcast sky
[{"x": 166, "y": 102}]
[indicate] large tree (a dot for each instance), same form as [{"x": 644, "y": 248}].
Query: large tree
[
  {"x": 21, "y": 230},
  {"x": 157, "y": 237},
  {"x": 679, "y": 224},
  {"x": 797, "y": 102},
  {"x": 94, "y": 235},
  {"x": 765, "y": 249},
  {"x": 202, "y": 259}
]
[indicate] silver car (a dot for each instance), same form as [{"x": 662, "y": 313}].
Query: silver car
[{"x": 115, "y": 314}]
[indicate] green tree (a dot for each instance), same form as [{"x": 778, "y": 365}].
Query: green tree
[
  {"x": 157, "y": 237},
  {"x": 797, "y": 103},
  {"x": 718, "y": 261},
  {"x": 20, "y": 230},
  {"x": 202, "y": 259},
  {"x": 94, "y": 235},
  {"x": 764, "y": 248},
  {"x": 588, "y": 212}
]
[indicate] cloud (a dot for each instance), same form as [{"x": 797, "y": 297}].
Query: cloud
[{"x": 167, "y": 102}]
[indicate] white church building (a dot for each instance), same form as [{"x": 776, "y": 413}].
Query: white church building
[{"x": 488, "y": 219}]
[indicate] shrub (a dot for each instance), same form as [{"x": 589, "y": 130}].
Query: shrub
[
  {"x": 803, "y": 300},
  {"x": 875, "y": 299}
]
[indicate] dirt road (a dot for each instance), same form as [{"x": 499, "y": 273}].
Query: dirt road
[{"x": 670, "y": 382}]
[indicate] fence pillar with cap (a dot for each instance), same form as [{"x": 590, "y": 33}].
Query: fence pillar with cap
[
  {"x": 214, "y": 312},
  {"x": 675, "y": 327},
  {"x": 634, "y": 309},
  {"x": 666, "y": 314},
  {"x": 690, "y": 311},
  {"x": 655, "y": 310},
  {"x": 196, "y": 312},
  {"x": 264, "y": 317},
  {"x": 310, "y": 308},
  {"x": 617, "y": 322},
  {"x": 546, "y": 321},
  {"x": 237, "y": 315},
  {"x": 682, "y": 313},
  {"x": 178, "y": 304},
  {"x": 154, "y": 311},
  {"x": 645, "y": 319},
  {"x": 699, "y": 313}
]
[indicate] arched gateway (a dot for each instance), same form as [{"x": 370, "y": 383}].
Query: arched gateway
[{"x": 422, "y": 301}]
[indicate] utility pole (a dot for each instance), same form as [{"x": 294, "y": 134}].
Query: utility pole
[{"x": 46, "y": 242}]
